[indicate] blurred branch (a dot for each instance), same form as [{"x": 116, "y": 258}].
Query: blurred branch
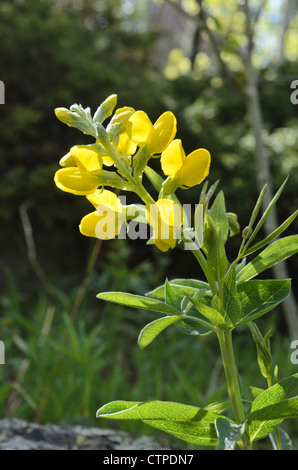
[
  {"x": 83, "y": 286},
  {"x": 32, "y": 255},
  {"x": 216, "y": 39}
]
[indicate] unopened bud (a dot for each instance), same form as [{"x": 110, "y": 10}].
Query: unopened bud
[
  {"x": 105, "y": 109},
  {"x": 64, "y": 115},
  {"x": 74, "y": 119},
  {"x": 246, "y": 232}
]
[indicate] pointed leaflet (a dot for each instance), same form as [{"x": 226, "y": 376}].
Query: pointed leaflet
[
  {"x": 153, "y": 329},
  {"x": 172, "y": 297},
  {"x": 258, "y": 297},
  {"x": 263, "y": 350},
  {"x": 266, "y": 213},
  {"x": 219, "y": 215},
  {"x": 138, "y": 301},
  {"x": 154, "y": 178},
  {"x": 195, "y": 325},
  {"x": 273, "y": 254},
  {"x": 273, "y": 235},
  {"x": 190, "y": 286},
  {"x": 231, "y": 307},
  {"x": 272, "y": 406},
  {"x": 189, "y": 423},
  {"x": 231, "y": 302},
  {"x": 210, "y": 313},
  {"x": 217, "y": 262}
]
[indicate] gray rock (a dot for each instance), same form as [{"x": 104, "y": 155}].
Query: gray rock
[{"x": 16, "y": 434}]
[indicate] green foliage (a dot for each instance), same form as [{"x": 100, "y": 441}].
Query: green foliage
[
  {"x": 236, "y": 300},
  {"x": 272, "y": 406},
  {"x": 111, "y": 56},
  {"x": 194, "y": 425}
]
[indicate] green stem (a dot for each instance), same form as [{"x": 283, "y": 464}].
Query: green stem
[
  {"x": 136, "y": 185},
  {"x": 227, "y": 352},
  {"x": 143, "y": 194},
  {"x": 203, "y": 263}
]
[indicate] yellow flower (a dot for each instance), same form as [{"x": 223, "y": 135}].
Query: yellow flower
[
  {"x": 81, "y": 179},
  {"x": 165, "y": 217},
  {"x": 106, "y": 222},
  {"x": 157, "y": 136},
  {"x": 185, "y": 170},
  {"x": 125, "y": 145}
]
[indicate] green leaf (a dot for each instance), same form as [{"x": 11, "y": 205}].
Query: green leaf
[
  {"x": 257, "y": 207},
  {"x": 172, "y": 297},
  {"x": 266, "y": 213},
  {"x": 256, "y": 391},
  {"x": 190, "y": 286},
  {"x": 205, "y": 196},
  {"x": 208, "y": 312},
  {"x": 228, "y": 433},
  {"x": 219, "y": 215},
  {"x": 155, "y": 179},
  {"x": 273, "y": 235},
  {"x": 192, "y": 322},
  {"x": 231, "y": 303},
  {"x": 258, "y": 297},
  {"x": 271, "y": 406},
  {"x": 219, "y": 406},
  {"x": 263, "y": 350},
  {"x": 138, "y": 301},
  {"x": 189, "y": 423},
  {"x": 175, "y": 296},
  {"x": 217, "y": 262},
  {"x": 153, "y": 329},
  {"x": 278, "y": 251}
]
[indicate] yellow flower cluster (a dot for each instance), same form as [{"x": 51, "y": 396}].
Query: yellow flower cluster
[{"x": 118, "y": 158}]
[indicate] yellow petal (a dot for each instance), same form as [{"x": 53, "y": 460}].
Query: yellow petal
[
  {"x": 195, "y": 168},
  {"x": 170, "y": 212},
  {"x": 103, "y": 200},
  {"x": 122, "y": 115},
  {"x": 125, "y": 145},
  {"x": 106, "y": 222},
  {"x": 103, "y": 226},
  {"x": 163, "y": 243},
  {"x": 86, "y": 157},
  {"x": 163, "y": 217},
  {"x": 72, "y": 180},
  {"x": 164, "y": 131},
  {"x": 172, "y": 158},
  {"x": 139, "y": 128}
]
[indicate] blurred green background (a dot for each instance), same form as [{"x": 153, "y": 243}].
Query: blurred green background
[{"x": 66, "y": 352}]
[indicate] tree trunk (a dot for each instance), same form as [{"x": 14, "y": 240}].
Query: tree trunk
[{"x": 254, "y": 112}]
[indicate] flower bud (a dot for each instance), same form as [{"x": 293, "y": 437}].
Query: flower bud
[
  {"x": 79, "y": 120},
  {"x": 246, "y": 232},
  {"x": 105, "y": 109}
]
